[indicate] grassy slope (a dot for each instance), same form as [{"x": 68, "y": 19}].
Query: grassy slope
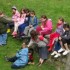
[{"x": 52, "y": 8}]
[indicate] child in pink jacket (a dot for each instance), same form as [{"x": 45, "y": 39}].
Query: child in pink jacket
[
  {"x": 19, "y": 20},
  {"x": 46, "y": 26}
]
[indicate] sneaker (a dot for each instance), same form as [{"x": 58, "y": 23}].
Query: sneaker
[
  {"x": 61, "y": 50},
  {"x": 6, "y": 58},
  {"x": 8, "y": 31},
  {"x": 57, "y": 55},
  {"x": 54, "y": 53},
  {"x": 66, "y": 52},
  {"x": 14, "y": 33}
]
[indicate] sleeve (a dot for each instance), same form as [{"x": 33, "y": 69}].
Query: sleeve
[
  {"x": 45, "y": 40},
  {"x": 66, "y": 36},
  {"x": 7, "y": 20},
  {"x": 19, "y": 54}
]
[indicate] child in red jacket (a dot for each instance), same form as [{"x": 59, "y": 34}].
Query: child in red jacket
[{"x": 31, "y": 59}]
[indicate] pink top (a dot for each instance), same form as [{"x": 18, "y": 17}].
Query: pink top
[
  {"x": 21, "y": 19},
  {"x": 16, "y": 16},
  {"x": 48, "y": 25}
]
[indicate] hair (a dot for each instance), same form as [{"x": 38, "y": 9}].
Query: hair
[
  {"x": 66, "y": 26},
  {"x": 44, "y": 16},
  {"x": 1, "y": 12},
  {"x": 27, "y": 10},
  {"x": 32, "y": 12},
  {"x": 61, "y": 19},
  {"x": 34, "y": 34},
  {"x": 22, "y": 10},
  {"x": 31, "y": 51}
]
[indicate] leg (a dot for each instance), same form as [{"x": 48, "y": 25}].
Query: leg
[
  {"x": 41, "y": 61},
  {"x": 13, "y": 59},
  {"x": 16, "y": 27},
  {"x": 26, "y": 30},
  {"x": 15, "y": 66},
  {"x": 65, "y": 43},
  {"x": 4, "y": 38},
  {"x": 1, "y": 39},
  {"x": 38, "y": 29},
  {"x": 21, "y": 28},
  {"x": 30, "y": 31},
  {"x": 43, "y": 32}
]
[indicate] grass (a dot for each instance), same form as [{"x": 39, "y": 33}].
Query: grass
[{"x": 52, "y": 8}]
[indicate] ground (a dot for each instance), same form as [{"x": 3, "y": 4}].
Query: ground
[{"x": 52, "y": 8}]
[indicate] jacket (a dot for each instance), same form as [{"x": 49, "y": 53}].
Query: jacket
[
  {"x": 3, "y": 24},
  {"x": 66, "y": 35},
  {"x": 22, "y": 57}
]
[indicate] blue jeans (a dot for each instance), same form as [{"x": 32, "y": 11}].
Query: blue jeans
[
  {"x": 3, "y": 38},
  {"x": 57, "y": 46}
]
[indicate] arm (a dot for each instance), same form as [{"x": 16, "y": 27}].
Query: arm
[
  {"x": 6, "y": 20},
  {"x": 43, "y": 39},
  {"x": 30, "y": 43}
]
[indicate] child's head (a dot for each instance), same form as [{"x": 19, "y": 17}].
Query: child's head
[
  {"x": 32, "y": 13},
  {"x": 43, "y": 18},
  {"x": 66, "y": 27},
  {"x": 60, "y": 20},
  {"x": 27, "y": 12},
  {"x": 23, "y": 45},
  {"x": 14, "y": 9},
  {"x": 23, "y": 11},
  {"x": 31, "y": 52},
  {"x": 34, "y": 34},
  {"x": 1, "y": 13}
]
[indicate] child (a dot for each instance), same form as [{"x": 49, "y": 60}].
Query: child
[
  {"x": 31, "y": 59},
  {"x": 26, "y": 23},
  {"x": 57, "y": 47},
  {"x": 32, "y": 24},
  {"x": 54, "y": 36},
  {"x": 19, "y": 21},
  {"x": 46, "y": 26},
  {"x": 41, "y": 42},
  {"x": 20, "y": 59},
  {"x": 65, "y": 40},
  {"x": 4, "y": 20}
]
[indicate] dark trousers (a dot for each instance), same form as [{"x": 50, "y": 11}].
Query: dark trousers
[
  {"x": 66, "y": 41},
  {"x": 57, "y": 46},
  {"x": 13, "y": 59},
  {"x": 15, "y": 67},
  {"x": 10, "y": 25}
]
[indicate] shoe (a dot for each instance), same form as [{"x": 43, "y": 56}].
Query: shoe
[
  {"x": 66, "y": 52},
  {"x": 14, "y": 33},
  {"x": 8, "y": 31},
  {"x": 6, "y": 58},
  {"x": 61, "y": 50},
  {"x": 57, "y": 55},
  {"x": 54, "y": 53}
]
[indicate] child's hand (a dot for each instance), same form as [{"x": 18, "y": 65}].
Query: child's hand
[
  {"x": 30, "y": 26},
  {"x": 41, "y": 37},
  {"x": 60, "y": 38},
  {"x": 41, "y": 26}
]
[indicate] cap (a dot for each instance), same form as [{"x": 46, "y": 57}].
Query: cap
[{"x": 14, "y": 7}]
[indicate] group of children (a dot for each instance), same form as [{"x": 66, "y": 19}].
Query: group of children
[{"x": 25, "y": 24}]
